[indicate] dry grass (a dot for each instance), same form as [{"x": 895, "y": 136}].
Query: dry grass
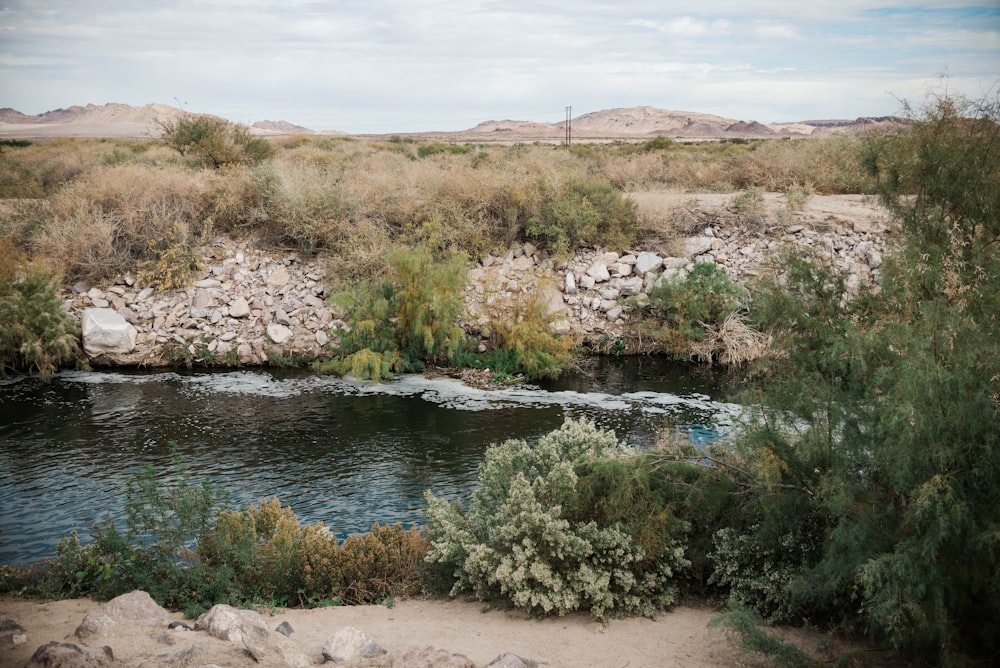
[
  {"x": 353, "y": 200},
  {"x": 830, "y": 165},
  {"x": 106, "y": 221}
]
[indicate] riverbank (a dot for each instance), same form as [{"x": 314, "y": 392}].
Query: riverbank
[
  {"x": 251, "y": 305},
  {"x": 679, "y": 638}
]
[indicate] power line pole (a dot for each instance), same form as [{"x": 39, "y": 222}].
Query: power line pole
[{"x": 569, "y": 125}]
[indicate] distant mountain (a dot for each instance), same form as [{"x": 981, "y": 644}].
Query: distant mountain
[
  {"x": 122, "y": 120},
  {"x": 638, "y": 122},
  {"x": 112, "y": 120},
  {"x": 280, "y": 128}
]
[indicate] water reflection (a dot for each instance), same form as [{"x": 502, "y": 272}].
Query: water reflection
[{"x": 346, "y": 453}]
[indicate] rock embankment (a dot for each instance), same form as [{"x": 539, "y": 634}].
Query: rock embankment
[{"x": 252, "y": 307}]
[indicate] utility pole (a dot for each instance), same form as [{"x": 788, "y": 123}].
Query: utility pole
[{"x": 569, "y": 125}]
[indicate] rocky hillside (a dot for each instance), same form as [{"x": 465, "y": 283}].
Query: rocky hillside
[{"x": 251, "y": 306}]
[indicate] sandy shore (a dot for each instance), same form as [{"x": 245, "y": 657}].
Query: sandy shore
[{"x": 678, "y": 638}]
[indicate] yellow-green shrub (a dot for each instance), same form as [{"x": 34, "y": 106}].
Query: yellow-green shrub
[{"x": 35, "y": 333}]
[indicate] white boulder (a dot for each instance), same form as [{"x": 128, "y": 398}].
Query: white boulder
[{"x": 105, "y": 331}]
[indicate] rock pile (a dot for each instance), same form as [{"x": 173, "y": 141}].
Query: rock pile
[
  {"x": 248, "y": 307},
  {"x": 594, "y": 294},
  {"x": 245, "y": 307},
  {"x": 132, "y": 630}
]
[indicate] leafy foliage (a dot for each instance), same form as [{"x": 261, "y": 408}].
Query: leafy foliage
[
  {"x": 583, "y": 213},
  {"x": 883, "y": 451},
  {"x": 689, "y": 304},
  {"x": 214, "y": 141},
  {"x": 405, "y": 321},
  {"x": 35, "y": 333},
  {"x": 523, "y": 343},
  {"x": 176, "y": 256},
  {"x": 526, "y": 539}
]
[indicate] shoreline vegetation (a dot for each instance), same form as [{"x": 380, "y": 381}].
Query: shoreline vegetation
[{"x": 864, "y": 501}]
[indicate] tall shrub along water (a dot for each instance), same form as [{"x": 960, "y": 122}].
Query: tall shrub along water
[{"x": 877, "y": 504}]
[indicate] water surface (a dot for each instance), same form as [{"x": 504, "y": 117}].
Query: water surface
[{"x": 345, "y": 452}]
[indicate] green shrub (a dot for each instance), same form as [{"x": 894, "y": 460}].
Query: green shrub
[
  {"x": 425, "y": 150},
  {"x": 798, "y": 196},
  {"x": 214, "y": 141},
  {"x": 35, "y": 333},
  {"x": 258, "y": 555},
  {"x": 407, "y": 320},
  {"x": 584, "y": 213},
  {"x": 705, "y": 296},
  {"x": 523, "y": 344},
  {"x": 519, "y": 541},
  {"x": 745, "y": 628},
  {"x": 884, "y": 433},
  {"x": 757, "y": 570},
  {"x": 176, "y": 255},
  {"x": 748, "y": 202}
]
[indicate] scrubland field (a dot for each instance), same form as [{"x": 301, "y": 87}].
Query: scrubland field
[{"x": 96, "y": 208}]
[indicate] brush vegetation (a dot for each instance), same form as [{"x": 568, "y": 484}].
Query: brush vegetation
[
  {"x": 863, "y": 497},
  {"x": 97, "y": 208}
]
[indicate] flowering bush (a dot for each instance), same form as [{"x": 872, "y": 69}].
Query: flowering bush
[{"x": 522, "y": 539}]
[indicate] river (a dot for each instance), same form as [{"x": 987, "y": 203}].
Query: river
[{"x": 345, "y": 452}]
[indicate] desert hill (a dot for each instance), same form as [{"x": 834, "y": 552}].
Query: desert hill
[{"x": 126, "y": 121}]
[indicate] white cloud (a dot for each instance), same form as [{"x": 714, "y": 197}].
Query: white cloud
[{"x": 424, "y": 63}]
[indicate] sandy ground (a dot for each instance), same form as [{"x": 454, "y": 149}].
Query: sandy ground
[{"x": 678, "y": 638}]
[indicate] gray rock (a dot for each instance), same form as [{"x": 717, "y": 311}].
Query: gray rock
[
  {"x": 509, "y": 660},
  {"x": 245, "y": 352},
  {"x": 70, "y": 655},
  {"x": 285, "y": 629},
  {"x": 10, "y": 625},
  {"x": 279, "y": 333},
  {"x": 632, "y": 286},
  {"x": 282, "y": 318},
  {"x": 278, "y": 278},
  {"x": 697, "y": 245},
  {"x": 228, "y": 623},
  {"x": 322, "y": 338},
  {"x": 202, "y": 299},
  {"x": 248, "y": 628},
  {"x": 349, "y": 643},
  {"x": 523, "y": 263},
  {"x": 133, "y": 608},
  {"x": 552, "y": 301},
  {"x": 105, "y": 331},
  {"x": 239, "y": 308},
  {"x": 569, "y": 285},
  {"x": 599, "y": 272},
  {"x": 429, "y": 657}
]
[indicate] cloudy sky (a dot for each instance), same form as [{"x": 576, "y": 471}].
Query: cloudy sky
[{"x": 410, "y": 65}]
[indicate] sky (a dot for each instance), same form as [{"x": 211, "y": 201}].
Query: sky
[{"x": 383, "y": 66}]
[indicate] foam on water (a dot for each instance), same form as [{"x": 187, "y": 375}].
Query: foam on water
[{"x": 442, "y": 391}]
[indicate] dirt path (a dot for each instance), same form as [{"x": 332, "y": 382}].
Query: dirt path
[{"x": 678, "y": 638}]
